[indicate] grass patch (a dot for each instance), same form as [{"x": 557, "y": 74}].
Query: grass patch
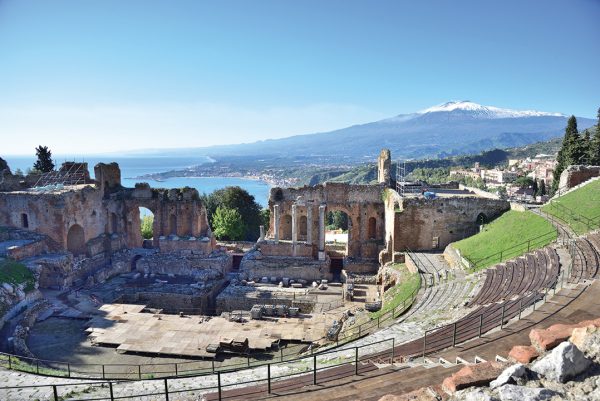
[
  {"x": 16, "y": 273},
  {"x": 579, "y": 209},
  {"x": 409, "y": 284},
  {"x": 505, "y": 238}
]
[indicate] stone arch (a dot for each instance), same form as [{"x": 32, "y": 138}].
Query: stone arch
[
  {"x": 76, "y": 240},
  {"x": 286, "y": 227},
  {"x": 372, "y": 228},
  {"x": 481, "y": 219}
]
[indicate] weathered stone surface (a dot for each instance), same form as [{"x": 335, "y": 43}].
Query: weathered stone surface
[
  {"x": 511, "y": 392},
  {"x": 474, "y": 394},
  {"x": 510, "y": 375},
  {"x": 564, "y": 362},
  {"x": 587, "y": 339},
  {"x": 523, "y": 353},
  {"x": 422, "y": 394},
  {"x": 546, "y": 339},
  {"x": 473, "y": 375}
]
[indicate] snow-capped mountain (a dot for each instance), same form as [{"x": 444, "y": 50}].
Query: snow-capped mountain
[{"x": 451, "y": 128}]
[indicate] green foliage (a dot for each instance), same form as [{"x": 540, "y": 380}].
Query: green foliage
[
  {"x": 147, "y": 222},
  {"x": 584, "y": 201},
  {"x": 44, "y": 161},
  {"x": 337, "y": 220},
  {"x": 265, "y": 217},
  {"x": 228, "y": 224},
  {"x": 525, "y": 182},
  {"x": 575, "y": 150},
  {"x": 15, "y": 273},
  {"x": 469, "y": 181},
  {"x": 505, "y": 232},
  {"x": 433, "y": 175},
  {"x": 19, "y": 172},
  {"x": 408, "y": 284},
  {"x": 238, "y": 199}
]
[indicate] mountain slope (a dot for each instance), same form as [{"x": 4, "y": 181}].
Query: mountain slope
[{"x": 448, "y": 129}]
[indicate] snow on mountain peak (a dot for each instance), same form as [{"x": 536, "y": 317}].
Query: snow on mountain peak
[{"x": 478, "y": 110}]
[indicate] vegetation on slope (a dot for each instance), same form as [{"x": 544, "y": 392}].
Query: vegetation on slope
[
  {"x": 508, "y": 236},
  {"x": 15, "y": 273},
  {"x": 580, "y": 209},
  {"x": 409, "y": 284}
]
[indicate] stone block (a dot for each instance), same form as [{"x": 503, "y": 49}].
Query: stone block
[
  {"x": 523, "y": 353},
  {"x": 546, "y": 339},
  {"x": 510, "y": 375},
  {"x": 480, "y": 374},
  {"x": 587, "y": 339},
  {"x": 564, "y": 362}
]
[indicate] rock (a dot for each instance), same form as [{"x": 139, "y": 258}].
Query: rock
[
  {"x": 474, "y": 394},
  {"x": 8, "y": 288},
  {"x": 546, "y": 339},
  {"x": 510, "y": 392},
  {"x": 564, "y": 362},
  {"x": 473, "y": 375},
  {"x": 422, "y": 394},
  {"x": 510, "y": 375},
  {"x": 587, "y": 339},
  {"x": 523, "y": 353}
]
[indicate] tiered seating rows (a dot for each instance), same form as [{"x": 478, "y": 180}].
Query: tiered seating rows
[
  {"x": 529, "y": 273},
  {"x": 585, "y": 259}
]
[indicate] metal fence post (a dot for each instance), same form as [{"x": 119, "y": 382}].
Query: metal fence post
[
  {"x": 480, "y": 324},
  {"x": 213, "y": 365},
  {"x": 315, "y": 370},
  {"x": 520, "y": 307},
  {"x": 103, "y": 374},
  {"x": 176, "y": 370},
  {"x": 502, "y": 317},
  {"x": 268, "y": 378},
  {"x": 9, "y": 362},
  {"x": 454, "y": 335},
  {"x": 424, "y": 344},
  {"x": 37, "y": 366},
  {"x": 393, "y": 344},
  {"x": 219, "y": 384},
  {"x": 110, "y": 391},
  {"x": 55, "y": 391},
  {"x": 140, "y": 372},
  {"x": 356, "y": 361}
]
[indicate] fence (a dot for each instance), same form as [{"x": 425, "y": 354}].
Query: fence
[
  {"x": 590, "y": 223},
  {"x": 318, "y": 368},
  {"x": 515, "y": 250}
]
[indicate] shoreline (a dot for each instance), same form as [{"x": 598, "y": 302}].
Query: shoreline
[{"x": 269, "y": 182}]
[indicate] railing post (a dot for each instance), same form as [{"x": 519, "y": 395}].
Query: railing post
[
  {"x": 356, "y": 361},
  {"x": 315, "y": 370},
  {"x": 37, "y": 366},
  {"x": 248, "y": 358},
  {"x": 268, "y": 378},
  {"x": 68, "y": 369},
  {"x": 103, "y": 375},
  {"x": 378, "y": 320},
  {"x": 213, "y": 365},
  {"x": 480, "y": 324},
  {"x": 393, "y": 345},
  {"x": 454, "y": 335},
  {"x": 424, "y": 344},
  {"x": 110, "y": 391},
  {"x": 166, "y": 390},
  {"x": 176, "y": 370},
  {"x": 500, "y": 256},
  {"x": 502, "y": 317},
  {"x": 219, "y": 384},
  {"x": 520, "y": 307},
  {"x": 9, "y": 362},
  {"x": 139, "y": 372},
  {"x": 55, "y": 391},
  {"x": 528, "y": 245}
]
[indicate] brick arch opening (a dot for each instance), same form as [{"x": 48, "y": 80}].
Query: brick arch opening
[{"x": 76, "y": 240}]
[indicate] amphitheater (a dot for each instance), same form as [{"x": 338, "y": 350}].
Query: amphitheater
[{"x": 397, "y": 312}]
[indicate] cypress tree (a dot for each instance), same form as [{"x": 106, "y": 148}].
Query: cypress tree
[
  {"x": 586, "y": 143},
  {"x": 595, "y": 144},
  {"x": 44, "y": 161},
  {"x": 568, "y": 151}
]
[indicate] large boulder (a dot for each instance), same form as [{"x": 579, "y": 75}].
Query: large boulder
[
  {"x": 546, "y": 339},
  {"x": 511, "y": 375},
  {"x": 480, "y": 374},
  {"x": 510, "y": 392},
  {"x": 523, "y": 353},
  {"x": 563, "y": 363},
  {"x": 587, "y": 339}
]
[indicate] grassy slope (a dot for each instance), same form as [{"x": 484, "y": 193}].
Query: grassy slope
[
  {"x": 584, "y": 201},
  {"x": 409, "y": 283},
  {"x": 504, "y": 233},
  {"x": 15, "y": 273}
]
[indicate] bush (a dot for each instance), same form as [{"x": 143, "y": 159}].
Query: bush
[{"x": 147, "y": 222}]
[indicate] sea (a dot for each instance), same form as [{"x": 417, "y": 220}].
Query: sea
[{"x": 132, "y": 167}]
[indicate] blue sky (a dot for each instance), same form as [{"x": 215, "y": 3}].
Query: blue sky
[{"x": 98, "y": 76}]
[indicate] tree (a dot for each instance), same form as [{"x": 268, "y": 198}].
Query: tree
[
  {"x": 265, "y": 217},
  {"x": 502, "y": 193},
  {"x": 586, "y": 143},
  {"x": 238, "y": 199},
  {"x": 146, "y": 226},
  {"x": 19, "y": 172},
  {"x": 595, "y": 144},
  {"x": 337, "y": 220},
  {"x": 44, "y": 161},
  {"x": 542, "y": 190},
  {"x": 524, "y": 182},
  {"x": 228, "y": 224},
  {"x": 570, "y": 151}
]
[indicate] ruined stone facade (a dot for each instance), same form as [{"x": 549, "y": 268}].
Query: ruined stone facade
[
  {"x": 384, "y": 164},
  {"x": 575, "y": 175}
]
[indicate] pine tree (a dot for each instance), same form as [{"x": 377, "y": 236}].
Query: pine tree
[
  {"x": 595, "y": 144},
  {"x": 586, "y": 143},
  {"x": 44, "y": 161}
]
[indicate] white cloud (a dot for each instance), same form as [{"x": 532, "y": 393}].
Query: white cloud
[{"x": 79, "y": 129}]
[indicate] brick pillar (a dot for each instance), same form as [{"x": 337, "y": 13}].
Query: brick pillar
[{"x": 276, "y": 222}]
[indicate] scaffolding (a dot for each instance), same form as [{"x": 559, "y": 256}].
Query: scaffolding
[
  {"x": 404, "y": 187},
  {"x": 76, "y": 174}
]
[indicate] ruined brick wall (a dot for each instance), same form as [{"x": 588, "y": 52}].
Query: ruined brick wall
[
  {"x": 422, "y": 224},
  {"x": 384, "y": 164},
  {"x": 255, "y": 265},
  {"x": 197, "y": 266},
  {"x": 575, "y": 175},
  {"x": 359, "y": 202},
  {"x": 285, "y": 248}
]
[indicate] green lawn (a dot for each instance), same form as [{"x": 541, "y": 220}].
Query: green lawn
[
  {"x": 16, "y": 273},
  {"x": 580, "y": 209},
  {"x": 408, "y": 285},
  {"x": 507, "y": 237}
]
